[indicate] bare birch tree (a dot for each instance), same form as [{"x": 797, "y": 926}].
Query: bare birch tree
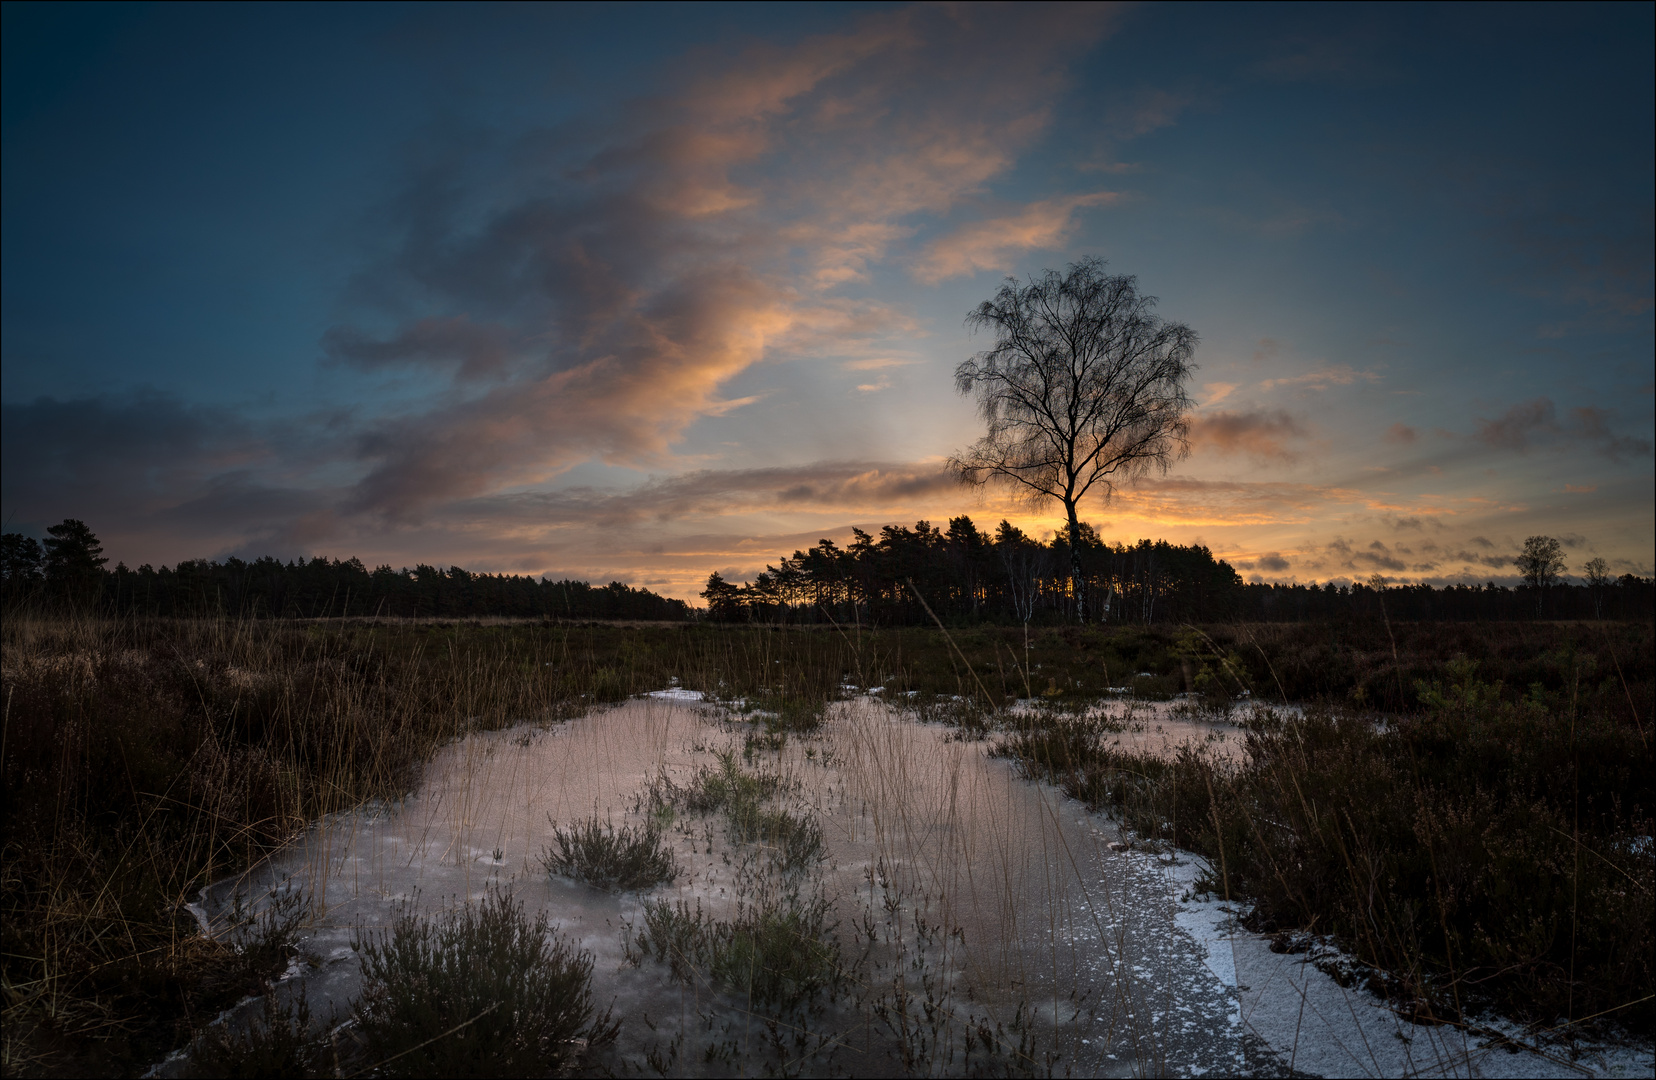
[{"x": 1083, "y": 389}]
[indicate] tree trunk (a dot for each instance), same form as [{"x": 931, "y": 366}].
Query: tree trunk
[{"x": 1078, "y": 581}]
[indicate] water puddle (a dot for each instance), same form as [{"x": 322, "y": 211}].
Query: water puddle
[{"x": 965, "y": 898}]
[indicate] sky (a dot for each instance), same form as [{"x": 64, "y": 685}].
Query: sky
[{"x": 640, "y": 292}]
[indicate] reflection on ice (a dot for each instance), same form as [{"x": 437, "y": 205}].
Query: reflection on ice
[
  {"x": 968, "y": 903},
  {"x": 950, "y": 879}
]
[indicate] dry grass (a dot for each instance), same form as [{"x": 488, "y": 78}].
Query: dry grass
[
  {"x": 142, "y": 759},
  {"x": 1493, "y": 851}
]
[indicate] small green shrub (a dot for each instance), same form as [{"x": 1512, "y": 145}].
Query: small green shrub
[
  {"x": 722, "y": 788},
  {"x": 780, "y": 951},
  {"x": 480, "y": 991},
  {"x": 972, "y": 719},
  {"x": 787, "y": 715},
  {"x": 795, "y": 840},
  {"x": 601, "y": 855}
]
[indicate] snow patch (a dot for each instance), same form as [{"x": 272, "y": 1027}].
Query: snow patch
[{"x": 677, "y": 693}]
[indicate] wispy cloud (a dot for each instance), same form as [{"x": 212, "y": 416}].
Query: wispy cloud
[
  {"x": 877, "y": 363},
  {"x": 1218, "y": 391},
  {"x": 992, "y": 244},
  {"x": 1149, "y": 109},
  {"x": 454, "y": 345},
  {"x": 661, "y": 263},
  {"x": 1190, "y": 502},
  {"x": 1520, "y": 426},
  {"x": 835, "y": 487},
  {"x": 1323, "y": 378}
]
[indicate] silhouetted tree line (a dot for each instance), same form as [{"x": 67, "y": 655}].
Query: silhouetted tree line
[
  {"x": 1627, "y": 597},
  {"x": 966, "y": 575},
  {"x": 69, "y": 570}
]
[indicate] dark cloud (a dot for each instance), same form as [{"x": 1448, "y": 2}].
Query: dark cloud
[
  {"x": 1593, "y": 425},
  {"x": 121, "y": 454},
  {"x": 844, "y": 487},
  {"x": 1535, "y": 423},
  {"x": 1377, "y": 556},
  {"x": 1474, "y": 558},
  {"x": 1273, "y": 561},
  {"x": 154, "y": 474},
  {"x": 1259, "y": 434},
  {"x": 455, "y": 344},
  {"x": 1520, "y": 426}
]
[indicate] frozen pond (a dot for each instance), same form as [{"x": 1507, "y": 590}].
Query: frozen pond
[{"x": 964, "y": 895}]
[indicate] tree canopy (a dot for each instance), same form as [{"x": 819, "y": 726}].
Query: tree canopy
[{"x": 1082, "y": 389}]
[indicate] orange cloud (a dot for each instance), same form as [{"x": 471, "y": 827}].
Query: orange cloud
[
  {"x": 610, "y": 307},
  {"x": 1231, "y": 502},
  {"x": 990, "y": 245},
  {"x": 1322, "y": 379}
]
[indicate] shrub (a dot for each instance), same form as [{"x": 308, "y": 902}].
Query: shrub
[
  {"x": 786, "y": 714},
  {"x": 795, "y": 840},
  {"x": 779, "y": 951},
  {"x": 480, "y": 991},
  {"x": 598, "y": 854}
]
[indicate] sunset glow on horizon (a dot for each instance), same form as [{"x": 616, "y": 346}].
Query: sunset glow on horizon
[{"x": 645, "y": 293}]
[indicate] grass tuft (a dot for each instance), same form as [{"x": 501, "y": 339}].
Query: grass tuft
[{"x": 600, "y": 855}]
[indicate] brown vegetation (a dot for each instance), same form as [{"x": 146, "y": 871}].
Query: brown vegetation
[
  {"x": 1493, "y": 849},
  {"x": 143, "y": 758}
]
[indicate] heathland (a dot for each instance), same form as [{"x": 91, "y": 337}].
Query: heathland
[{"x": 1466, "y": 808}]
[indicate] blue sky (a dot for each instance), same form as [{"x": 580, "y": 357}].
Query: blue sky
[{"x": 642, "y": 292}]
